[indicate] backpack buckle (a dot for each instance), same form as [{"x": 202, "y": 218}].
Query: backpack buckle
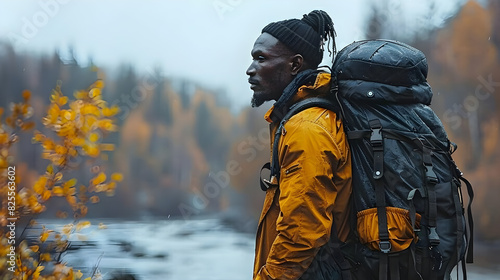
[
  {"x": 376, "y": 137},
  {"x": 430, "y": 175},
  {"x": 385, "y": 246}
]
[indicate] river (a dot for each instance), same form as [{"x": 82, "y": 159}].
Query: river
[{"x": 167, "y": 249}]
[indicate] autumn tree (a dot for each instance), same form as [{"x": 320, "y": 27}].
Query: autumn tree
[{"x": 77, "y": 131}]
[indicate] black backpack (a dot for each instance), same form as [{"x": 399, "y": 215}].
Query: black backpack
[{"x": 409, "y": 220}]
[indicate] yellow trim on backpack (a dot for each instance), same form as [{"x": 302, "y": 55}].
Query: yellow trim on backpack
[{"x": 401, "y": 233}]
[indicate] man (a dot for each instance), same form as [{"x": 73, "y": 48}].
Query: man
[{"x": 307, "y": 202}]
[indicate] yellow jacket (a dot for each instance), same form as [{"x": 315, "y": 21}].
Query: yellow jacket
[{"x": 314, "y": 189}]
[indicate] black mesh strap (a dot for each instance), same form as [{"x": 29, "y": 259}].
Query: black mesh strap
[
  {"x": 460, "y": 224},
  {"x": 430, "y": 184},
  {"x": 296, "y": 108},
  {"x": 470, "y": 222}
]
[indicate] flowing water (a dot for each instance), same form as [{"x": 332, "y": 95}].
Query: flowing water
[{"x": 177, "y": 250}]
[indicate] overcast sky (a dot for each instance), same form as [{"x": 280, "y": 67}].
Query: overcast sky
[{"x": 208, "y": 41}]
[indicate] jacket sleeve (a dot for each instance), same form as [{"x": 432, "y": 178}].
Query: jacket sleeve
[{"x": 309, "y": 155}]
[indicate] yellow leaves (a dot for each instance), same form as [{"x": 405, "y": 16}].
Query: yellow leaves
[
  {"x": 57, "y": 191},
  {"x": 45, "y": 257},
  {"x": 10, "y": 121},
  {"x": 76, "y": 128},
  {"x": 83, "y": 210},
  {"x": 62, "y": 100},
  {"x": 39, "y": 269},
  {"x": 38, "y": 137},
  {"x": 38, "y": 208},
  {"x": 46, "y": 195},
  {"x": 90, "y": 109},
  {"x": 95, "y": 92},
  {"x": 68, "y": 190},
  {"x": 27, "y": 126},
  {"x": 57, "y": 97},
  {"x": 100, "y": 178},
  {"x": 89, "y": 124},
  {"x": 52, "y": 114},
  {"x": 78, "y": 141},
  {"x": 91, "y": 150},
  {"x": 99, "y": 84},
  {"x": 32, "y": 201},
  {"x": 67, "y": 115},
  {"x": 70, "y": 275},
  {"x": 80, "y": 94},
  {"x": 93, "y": 137},
  {"x": 26, "y": 95},
  {"x": 83, "y": 224},
  {"x": 117, "y": 177},
  {"x": 34, "y": 248},
  {"x": 107, "y": 147},
  {"x": 107, "y": 125},
  {"x": 67, "y": 229},
  {"x": 39, "y": 186},
  {"x": 50, "y": 169},
  {"x": 78, "y": 274},
  {"x": 48, "y": 144},
  {"x": 109, "y": 112},
  {"x": 71, "y": 200},
  {"x": 61, "y": 150},
  {"x": 58, "y": 177},
  {"x": 44, "y": 236},
  {"x": 69, "y": 183},
  {"x": 4, "y": 138}
]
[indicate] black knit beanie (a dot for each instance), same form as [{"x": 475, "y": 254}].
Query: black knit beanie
[{"x": 306, "y": 36}]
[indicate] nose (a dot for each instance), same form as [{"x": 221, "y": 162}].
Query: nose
[{"x": 251, "y": 70}]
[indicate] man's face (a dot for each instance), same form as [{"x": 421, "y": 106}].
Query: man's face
[{"x": 271, "y": 69}]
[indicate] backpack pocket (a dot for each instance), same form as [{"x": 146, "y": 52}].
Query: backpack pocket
[{"x": 401, "y": 233}]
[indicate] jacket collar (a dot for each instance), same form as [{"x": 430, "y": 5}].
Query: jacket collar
[{"x": 320, "y": 87}]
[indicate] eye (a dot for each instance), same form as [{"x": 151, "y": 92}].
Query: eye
[{"x": 259, "y": 58}]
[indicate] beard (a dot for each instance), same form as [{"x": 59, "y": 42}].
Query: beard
[{"x": 257, "y": 100}]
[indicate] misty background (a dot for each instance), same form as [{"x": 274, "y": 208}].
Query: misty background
[{"x": 188, "y": 144}]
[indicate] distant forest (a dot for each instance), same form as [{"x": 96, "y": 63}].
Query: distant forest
[{"x": 184, "y": 154}]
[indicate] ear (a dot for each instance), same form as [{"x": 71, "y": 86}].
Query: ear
[{"x": 297, "y": 64}]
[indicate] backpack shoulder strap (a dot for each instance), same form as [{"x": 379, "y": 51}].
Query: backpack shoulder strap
[{"x": 296, "y": 108}]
